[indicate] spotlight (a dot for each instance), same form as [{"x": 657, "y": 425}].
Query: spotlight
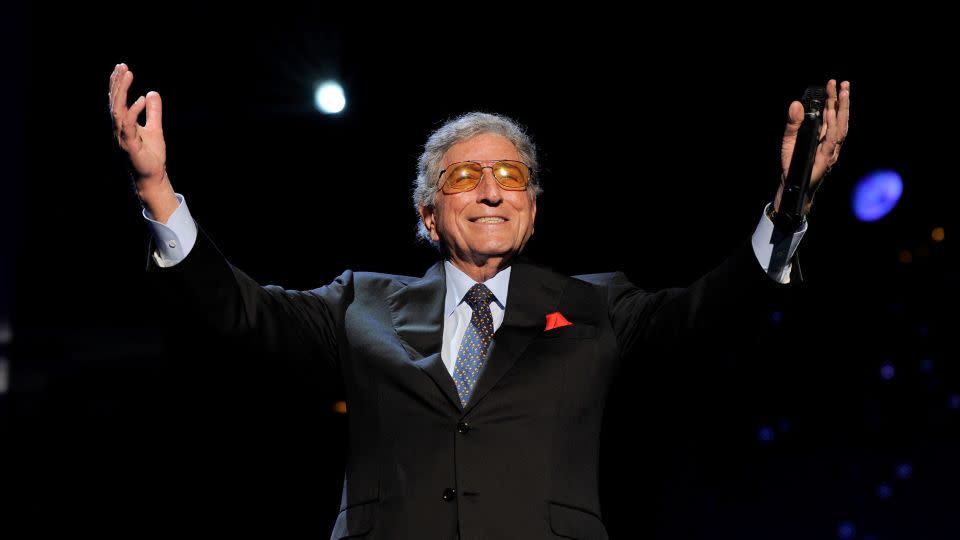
[
  {"x": 876, "y": 194},
  {"x": 846, "y": 529},
  {"x": 887, "y": 371},
  {"x": 329, "y": 98},
  {"x": 954, "y": 401}
]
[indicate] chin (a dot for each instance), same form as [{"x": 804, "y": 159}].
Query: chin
[{"x": 498, "y": 250}]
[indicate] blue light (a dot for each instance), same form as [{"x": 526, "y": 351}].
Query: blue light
[
  {"x": 765, "y": 434},
  {"x": 926, "y": 365},
  {"x": 904, "y": 471},
  {"x": 776, "y": 317},
  {"x": 887, "y": 371},
  {"x": 846, "y": 529},
  {"x": 876, "y": 194},
  {"x": 954, "y": 401},
  {"x": 884, "y": 490}
]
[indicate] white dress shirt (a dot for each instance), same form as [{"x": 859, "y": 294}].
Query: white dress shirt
[{"x": 457, "y": 313}]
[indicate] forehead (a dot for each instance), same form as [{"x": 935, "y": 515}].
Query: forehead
[{"x": 483, "y": 147}]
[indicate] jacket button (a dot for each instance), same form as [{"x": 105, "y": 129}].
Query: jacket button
[
  {"x": 463, "y": 427},
  {"x": 449, "y": 494}
]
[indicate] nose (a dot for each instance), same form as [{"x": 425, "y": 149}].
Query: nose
[{"x": 488, "y": 192}]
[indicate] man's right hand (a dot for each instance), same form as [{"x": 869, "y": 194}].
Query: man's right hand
[{"x": 144, "y": 145}]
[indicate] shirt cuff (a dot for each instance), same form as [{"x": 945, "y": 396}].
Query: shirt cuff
[
  {"x": 774, "y": 248},
  {"x": 175, "y": 238}
]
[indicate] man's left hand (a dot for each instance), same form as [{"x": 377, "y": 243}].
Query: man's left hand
[{"x": 833, "y": 132}]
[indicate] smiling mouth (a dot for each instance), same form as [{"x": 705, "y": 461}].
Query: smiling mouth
[{"x": 492, "y": 219}]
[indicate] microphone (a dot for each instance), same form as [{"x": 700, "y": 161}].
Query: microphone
[{"x": 790, "y": 215}]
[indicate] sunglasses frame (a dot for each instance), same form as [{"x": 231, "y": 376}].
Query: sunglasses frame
[{"x": 441, "y": 182}]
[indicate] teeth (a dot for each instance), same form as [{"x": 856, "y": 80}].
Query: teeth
[{"x": 490, "y": 220}]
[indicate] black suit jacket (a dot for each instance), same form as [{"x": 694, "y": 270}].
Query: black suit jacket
[{"x": 520, "y": 461}]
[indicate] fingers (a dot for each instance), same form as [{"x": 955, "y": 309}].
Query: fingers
[
  {"x": 830, "y": 106},
  {"x": 114, "y": 78},
  {"x": 124, "y": 118},
  {"x": 120, "y": 82},
  {"x": 116, "y": 107},
  {"x": 836, "y": 117},
  {"x": 134, "y": 112},
  {"x": 154, "y": 111},
  {"x": 843, "y": 114},
  {"x": 831, "y": 94},
  {"x": 128, "y": 127},
  {"x": 830, "y": 137},
  {"x": 124, "y": 80},
  {"x": 794, "y": 119}
]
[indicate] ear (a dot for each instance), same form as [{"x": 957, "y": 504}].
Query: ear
[{"x": 428, "y": 214}]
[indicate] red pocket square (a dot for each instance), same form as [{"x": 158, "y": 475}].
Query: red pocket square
[{"x": 556, "y": 320}]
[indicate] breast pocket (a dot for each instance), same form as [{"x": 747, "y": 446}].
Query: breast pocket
[{"x": 573, "y": 331}]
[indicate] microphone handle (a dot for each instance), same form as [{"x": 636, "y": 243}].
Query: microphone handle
[{"x": 797, "y": 183}]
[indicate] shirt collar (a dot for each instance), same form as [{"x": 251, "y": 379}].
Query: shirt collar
[{"x": 458, "y": 283}]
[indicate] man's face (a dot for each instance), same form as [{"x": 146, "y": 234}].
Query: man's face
[{"x": 487, "y": 221}]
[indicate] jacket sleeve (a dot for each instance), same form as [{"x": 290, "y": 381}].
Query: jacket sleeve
[
  {"x": 299, "y": 325},
  {"x": 732, "y": 297}
]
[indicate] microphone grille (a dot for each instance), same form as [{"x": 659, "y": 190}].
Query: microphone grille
[{"x": 813, "y": 99}]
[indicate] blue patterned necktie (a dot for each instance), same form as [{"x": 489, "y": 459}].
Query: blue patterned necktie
[{"x": 476, "y": 341}]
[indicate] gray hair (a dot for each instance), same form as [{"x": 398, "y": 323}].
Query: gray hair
[{"x": 458, "y": 130}]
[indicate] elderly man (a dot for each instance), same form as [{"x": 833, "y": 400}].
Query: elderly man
[{"x": 476, "y": 391}]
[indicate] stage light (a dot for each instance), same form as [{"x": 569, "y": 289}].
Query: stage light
[
  {"x": 884, "y": 490},
  {"x": 329, "y": 98},
  {"x": 887, "y": 371},
  {"x": 846, "y": 529},
  {"x": 340, "y": 407},
  {"x": 876, "y": 194},
  {"x": 954, "y": 401},
  {"x": 765, "y": 434},
  {"x": 776, "y": 317},
  {"x": 904, "y": 471},
  {"x": 926, "y": 365},
  {"x": 937, "y": 234}
]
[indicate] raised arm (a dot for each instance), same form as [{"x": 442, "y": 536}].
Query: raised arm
[
  {"x": 143, "y": 144},
  {"x": 736, "y": 291},
  {"x": 204, "y": 286}
]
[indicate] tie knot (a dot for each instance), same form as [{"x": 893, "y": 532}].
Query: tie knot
[{"x": 479, "y": 296}]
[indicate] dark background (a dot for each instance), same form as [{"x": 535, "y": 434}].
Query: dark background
[{"x": 659, "y": 142}]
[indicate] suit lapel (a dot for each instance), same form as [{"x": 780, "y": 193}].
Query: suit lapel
[
  {"x": 417, "y": 312},
  {"x": 533, "y": 293}
]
